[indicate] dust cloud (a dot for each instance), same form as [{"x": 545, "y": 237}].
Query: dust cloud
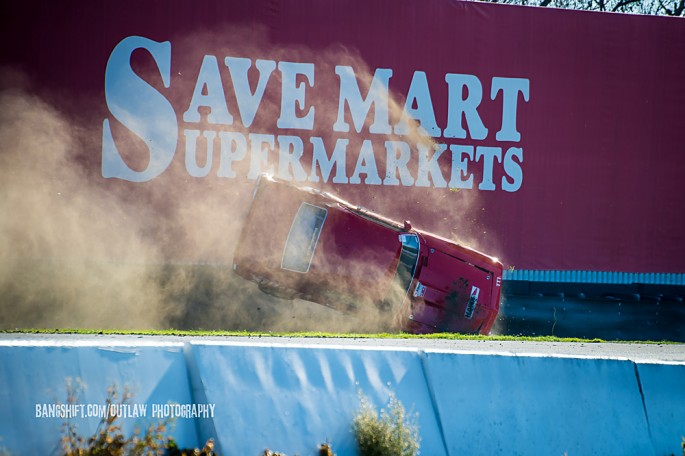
[
  {"x": 76, "y": 253},
  {"x": 79, "y": 251}
]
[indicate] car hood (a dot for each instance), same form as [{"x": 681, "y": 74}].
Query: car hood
[{"x": 452, "y": 294}]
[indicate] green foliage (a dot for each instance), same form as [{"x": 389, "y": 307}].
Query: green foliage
[
  {"x": 313, "y": 334},
  {"x": 393, "y": 433},
  {"x": 174, "y": 450},
  {"x": 109, "y": 439}
]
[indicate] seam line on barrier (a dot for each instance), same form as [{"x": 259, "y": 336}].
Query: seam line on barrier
[
  {"x": 644, "y": 405},
  {"x": 431, "y": 393},
  {"x": 206, "y": 428}
]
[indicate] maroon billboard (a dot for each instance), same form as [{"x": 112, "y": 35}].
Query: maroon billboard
[{"x": 552, "y": 139}]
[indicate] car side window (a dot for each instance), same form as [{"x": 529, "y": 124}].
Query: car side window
[
  {"x": 406, "y": 267},
  {"x": 408, "y": 259},
  {"x": 303, "y": 238}
]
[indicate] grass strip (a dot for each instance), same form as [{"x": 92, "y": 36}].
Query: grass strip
[{"x": 314, "y": 334}]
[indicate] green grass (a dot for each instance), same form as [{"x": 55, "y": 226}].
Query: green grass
[{"x": 312, "y": 334}]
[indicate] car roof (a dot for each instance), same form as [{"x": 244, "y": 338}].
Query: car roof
[{"x": 436, "y": 240}]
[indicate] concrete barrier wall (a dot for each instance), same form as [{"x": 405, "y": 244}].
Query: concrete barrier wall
[
  {"x": 291, "y": 399},
  {"x": 663, "y": 386},
  {"x": 36, "y": 374},
  {"x": 523, "y": 405}
]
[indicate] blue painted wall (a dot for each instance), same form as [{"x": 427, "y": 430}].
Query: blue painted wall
[{"x": 291, "y": 399}]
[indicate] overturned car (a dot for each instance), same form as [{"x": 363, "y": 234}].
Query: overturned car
[{"x": 298, "y": 242}]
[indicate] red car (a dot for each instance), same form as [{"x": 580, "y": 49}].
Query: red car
[{"x": 298, "y": 242}]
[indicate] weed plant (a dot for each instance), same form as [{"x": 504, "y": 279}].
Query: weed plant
[
  {"x": 393, "y": 433},
  {"x": 325, "y": 449},
  {"x": 109, "y": 439}
]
